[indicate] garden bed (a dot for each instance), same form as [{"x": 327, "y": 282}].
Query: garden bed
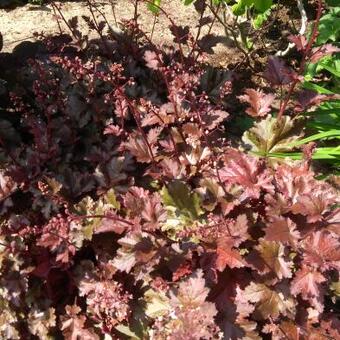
[{"x": 170, "y": 181}]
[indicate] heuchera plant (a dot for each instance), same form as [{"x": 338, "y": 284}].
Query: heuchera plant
[{"x": 126, "y": 211}]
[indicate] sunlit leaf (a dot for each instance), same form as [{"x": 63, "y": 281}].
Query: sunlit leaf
[{"x": 272, "y": 135}]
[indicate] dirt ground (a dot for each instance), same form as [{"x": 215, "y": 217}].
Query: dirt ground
[{"x": 20, "y": 24}]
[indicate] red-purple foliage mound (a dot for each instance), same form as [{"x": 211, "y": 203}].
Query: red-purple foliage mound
[{"x": 126, "y": 212}]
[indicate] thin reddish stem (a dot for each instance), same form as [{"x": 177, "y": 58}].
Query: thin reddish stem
[{"x": 305, "y": 57}]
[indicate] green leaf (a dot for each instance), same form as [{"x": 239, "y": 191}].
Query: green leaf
[
  {"x": 248, "y": 43},
  {"x": 188, "y": 2},
  {"x": 331, "y": 69},
  {"x": 87, "y": 206},
  {"x": 335, "y": 287},
  {"x": 248, "y": 3},
  {"x": 329, "y": 27},
  {"x": 332, "y": 105},
  {"x": 178, "y": 198},
  {"x": 328, "y": 151},
  {"x": 111, "y": 199},
  {"x": 154, "y": 6},
  {"x": 243, "y": 123},
  {"x": 333, "y": 3},
  {"x": 262, "y": 5},
  {"x": 127, "y": 331},
  {"x": 157, "y": 303},
  {"x": 311, "y": 86},
  {"x": 259, "y": 20},
  {"x": 239, "y": 8},
  {"x": 217, "y": 2},
  {"x": 272, "y": 135},
  {"x": 321, "y": 135},
  {"x": 319, "y": 154},
  {"x": 323, "y": 112},
  {"x": 320, "y": 126}
]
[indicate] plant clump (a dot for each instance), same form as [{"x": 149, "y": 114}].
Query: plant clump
[{"x": 129, "y": 211}]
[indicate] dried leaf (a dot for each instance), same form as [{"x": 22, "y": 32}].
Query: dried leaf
[{"x": 157, "y": 303}]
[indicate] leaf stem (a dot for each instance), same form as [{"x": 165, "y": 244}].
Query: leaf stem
[{"x": 305, "y": 57}]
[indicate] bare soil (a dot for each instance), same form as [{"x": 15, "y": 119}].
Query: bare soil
[{"x": 21, "y": 23}]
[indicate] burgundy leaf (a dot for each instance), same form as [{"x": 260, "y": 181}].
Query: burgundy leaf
[
  {"x": 300, "y": 41},
  {"x": 228, "y": 257},
  {"x": 134, "y": 200},
  {"x": 268, "y": 302},
  {"x": 56, "y": 236},
  {"x": 239, "y": 230},
  {"x": 163, "y": 116},
  {"x": 307, "y": 283},
  {"x": 258, "y": 101},
  {"x": 73, "y": 325},
  {"x": 153, "y": 212},
  {"x": 183, "y": 270},
  {"x": 171, "y": 168},
  {"x": 7, "y": 186},
  {"x": 213, "y": 118},
  {"x": 246, "y": 171},
  {"x": 153, "y": 135},
  {"x": 315, "y": 204},
  {"x": 152, "y": 60},
  {"x": 320, "y": 52},
  {"x": 277, "y": 73},
  {"x": 200, "y": 5},
  {"x": 110, "y": 224},
  {"x": 322, "y": 251},
  {"x": 180, "y": 33},
  {"x": 332, "y": 325},
  {"x": 139, "y": 148},
  {"x": 282, "y": 230},
  {"x": 333, "y": 221},
  {"x": 114, "y": 130},
  {"x": 308, "y": 98},
  {"x": 122, "y": 106},
  {"x": 274, "y": 258}
]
